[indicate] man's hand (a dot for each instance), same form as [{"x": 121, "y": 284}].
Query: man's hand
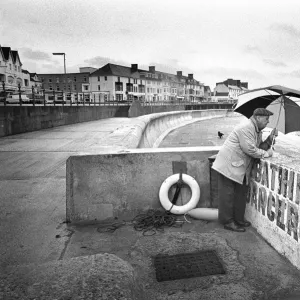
[{"x": 269, "y": 153}]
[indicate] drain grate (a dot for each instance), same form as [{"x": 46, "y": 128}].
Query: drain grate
[{"x": 187, "y": 265}]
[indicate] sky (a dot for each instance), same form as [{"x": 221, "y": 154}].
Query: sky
[{"x": 256, "y": 41}]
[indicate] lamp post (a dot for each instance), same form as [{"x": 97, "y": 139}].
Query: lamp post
[{"x": 64, "y": 54}]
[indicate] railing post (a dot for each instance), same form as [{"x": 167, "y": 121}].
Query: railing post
[
  {"x": 33, "y": 96},
  {"x": 63, "y": 98},
  {"x": 54, "y": 97},
  {"x": 20, "y": 98},
  {"x": 77, "y": 99},
  {"x": 4, "y": 92},
  {"x": 70, "y": 99},
  {"x": 83, "y": 99},
  {"x": 44, "y": 97}
]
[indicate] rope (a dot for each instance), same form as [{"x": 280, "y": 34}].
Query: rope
[
  {"x": 154, "y": 221},
  {"x": 149, "y": 223}
]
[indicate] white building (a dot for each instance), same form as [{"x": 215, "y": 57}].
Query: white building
[{"x": 229, "y": 90}]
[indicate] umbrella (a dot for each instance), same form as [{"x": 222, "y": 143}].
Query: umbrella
[{"x": 278, "y": 99}]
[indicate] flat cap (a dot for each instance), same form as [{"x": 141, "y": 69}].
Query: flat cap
[{"x": 262, "y": 112}]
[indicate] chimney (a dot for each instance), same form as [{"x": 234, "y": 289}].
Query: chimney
[
  {"x": 179, "y": 73},
  {"x": 244, "y": 84},
  {"x": 152, "y": 69},
  {"x": 134, "y": 67},
  {"x": 191, "y": 76}
]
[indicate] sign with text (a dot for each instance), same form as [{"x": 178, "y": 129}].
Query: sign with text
[{"x": 275, "y": 193}]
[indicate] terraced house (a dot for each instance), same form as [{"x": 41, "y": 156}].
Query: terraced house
[
  {"x": 229, "y": 90},
  {"x": 121, "y": 83}
]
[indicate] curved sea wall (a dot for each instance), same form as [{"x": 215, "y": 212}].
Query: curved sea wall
[{"x": 149, "y": 130}]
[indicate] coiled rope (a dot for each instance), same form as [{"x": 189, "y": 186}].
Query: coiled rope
[{"x": 149, "y": 223}]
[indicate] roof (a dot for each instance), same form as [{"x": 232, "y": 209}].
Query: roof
[
  {"x": 6, "y": 51},
  {"x": 14, "y": 54},
  {"x": 234, "y": 87},
  {"x": 221, "y": 94},
  {"x": 116, "y": 70},
  {"x": 62, "y": 74}
]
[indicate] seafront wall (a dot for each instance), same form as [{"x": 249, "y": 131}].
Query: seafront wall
[{"x": 17, "y": 119}]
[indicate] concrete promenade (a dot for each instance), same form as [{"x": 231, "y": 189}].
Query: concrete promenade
[{"x": 32, "y": 184}]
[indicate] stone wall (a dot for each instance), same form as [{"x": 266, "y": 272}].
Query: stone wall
[
  {"x": 16, "y": 119},
  {"x": 105, "y": 186}
]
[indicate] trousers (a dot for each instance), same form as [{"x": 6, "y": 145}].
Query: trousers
[{"x": 231, "y": 199}]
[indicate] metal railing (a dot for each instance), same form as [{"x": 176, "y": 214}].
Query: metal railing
[{"x": 95, "y": 98}]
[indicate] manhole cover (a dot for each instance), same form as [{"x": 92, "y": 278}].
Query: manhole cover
[{"x": 187, "y": 265}]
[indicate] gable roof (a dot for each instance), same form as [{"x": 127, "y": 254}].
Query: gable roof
[
  {"x": 116, "y": 70},
  {"x": 6, "y": 52},
  {"x": 15, "y": 56}
]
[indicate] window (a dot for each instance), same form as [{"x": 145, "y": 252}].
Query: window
[
  {"x": 84, "y": 78},
  {"x": 105, "y": 78},
  {"x": 98, "y": 78},
  {"x": 119, "y": 97},
  {"x": 74, "y": 78},
  {"x": 98, "y": 87},
  {"x": 119, "y": 86},
  {"x": 10, "y": 66},
  {"x": 57, "y": 88},
  {"x": 135, "y": 81},
  {"x": 86, "y": 87},
  {"x": 15, "y": 67},
  {"x": 57, "y": 79},
  {"x": 50, "y": 80}
]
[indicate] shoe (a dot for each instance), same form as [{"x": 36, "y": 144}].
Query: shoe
[
  {"x": 234, "y": 227},
  {"x": 243, "y": 223}
]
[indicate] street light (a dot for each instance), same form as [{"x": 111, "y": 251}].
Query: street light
[{"x": 64, "y": 54}]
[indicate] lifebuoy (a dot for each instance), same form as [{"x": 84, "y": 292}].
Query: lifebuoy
[
  {"x": 164, "y": 198},
  {"x": 205, "y": 213}
]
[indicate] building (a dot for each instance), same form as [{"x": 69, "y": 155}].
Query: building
[
  {"x": 11, "y": 75},
  {"x": 207, "y": 94},
  {"x": 229, "y": 90},
  {"x": 117, "y": 83},
  {"x": 70, "y": 86},
  {"x": 121, "y": 83}
]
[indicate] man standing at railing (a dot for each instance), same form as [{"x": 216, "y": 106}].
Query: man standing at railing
[{"x": 234, "y": 163}]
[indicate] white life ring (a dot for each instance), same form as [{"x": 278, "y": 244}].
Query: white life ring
[{"x": 164, "y": 198}]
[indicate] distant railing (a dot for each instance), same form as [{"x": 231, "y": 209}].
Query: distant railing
[{"x": 96, "y": 98}]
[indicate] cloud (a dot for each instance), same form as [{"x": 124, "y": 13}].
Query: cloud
[
  {"x": 295, "y": 73},
  {"x": 35, "y": 55},
  {"x": 235, "y": 73},
  {"x": 100, "y": 61},
  {"x": 286, "y": 29},
  {"x": 251, "y": 49},
  {"x": 274, "y": 63}
]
